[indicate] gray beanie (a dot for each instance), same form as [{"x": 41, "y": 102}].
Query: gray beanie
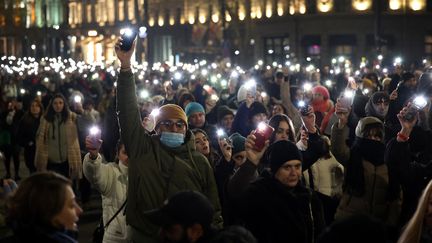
[{"x": 359, "y": 131}]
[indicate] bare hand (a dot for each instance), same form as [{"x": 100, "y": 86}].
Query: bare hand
[
  {"x": 309, "y": 120},
  {"x": 225, "y": 148},
  {"x": 406, "y": 125},
  {"x": 253, "y": 155},
  {"x": 394, "y": 95},
  {"x": 342, "y": 114},
  {"x": 124, "y": 56},
  {"x": 352, "y": 84},
  {"x": 93, "y": 145}
]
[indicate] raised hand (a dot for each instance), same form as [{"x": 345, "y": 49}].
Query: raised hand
[
  {"x": 226, "y": 148},
  {"x": 394, "y": 95},
  {"x": 124, "y": 56},
  {"x": 253, "y": 155},
  {"x": 342, "y": 114},
  {"x": 309, "y": 120},
  {"x": 405, "y": 124},
  {"x": 93, "y": 145}
]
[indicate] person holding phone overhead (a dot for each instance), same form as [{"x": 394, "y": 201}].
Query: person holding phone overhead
[
  {"x": 110, "y": 179},
  {"x": 159, "y": 165}
]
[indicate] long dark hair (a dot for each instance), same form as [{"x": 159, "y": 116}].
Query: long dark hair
[
  {"x": 211, "y": 157},
  {"x": 28, "y": 117},
  {"x": 37, "y": 200},
  {"x": 274, "y": 122},
  {"x": 50, "y": 113}
]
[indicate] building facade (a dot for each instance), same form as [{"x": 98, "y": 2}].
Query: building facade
[{"x": 276, "y": 31}]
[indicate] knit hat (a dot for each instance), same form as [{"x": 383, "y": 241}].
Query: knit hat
[
  {"x": 369, "y": 120},
  {"x": 238, "y": 142},
  {"x": 170, "y": 111},
  {"x": 242, "y": 93},
  {"x": 281, "y": 152},
  {"x": 222, "y": 111},
  {"x": 194, "y": 107},
  {"x": 368, "y": 84},
  {"x": 319, "y": 89},
  {"x": 256, "y": 108}
]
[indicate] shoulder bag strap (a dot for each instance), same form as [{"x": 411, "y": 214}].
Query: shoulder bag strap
[{"x": 115, "y": 215}]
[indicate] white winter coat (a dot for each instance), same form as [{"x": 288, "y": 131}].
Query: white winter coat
[
  {"x": 328, "y": 175},
  {"x": 111, "y": 181}
]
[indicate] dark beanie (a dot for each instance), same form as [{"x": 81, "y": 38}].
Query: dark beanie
[
  {"x": 281, "y": 152},
  {"x": 222, "y": 111},
  {"x": 256, "y": 108},
  {"x": 238, "y": 142}
]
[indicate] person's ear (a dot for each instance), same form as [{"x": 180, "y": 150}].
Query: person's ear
[{"x": 194, "y": 232}]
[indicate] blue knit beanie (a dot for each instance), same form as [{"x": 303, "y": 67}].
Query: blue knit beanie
[
  {"x": 193, "y": 107},
  {"x": 238, "y": 142}
]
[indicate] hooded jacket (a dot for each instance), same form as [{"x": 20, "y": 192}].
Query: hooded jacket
[
  {"x": 155, "y": 171},
  {"x": 374, "y": 179}
]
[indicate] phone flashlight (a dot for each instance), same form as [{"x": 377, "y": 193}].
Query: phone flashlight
[
  {"x": 307, "y": 86},
  {"x": 262, "y": 134},
  {"x": 128, "y": 36},
  {"x": 304, "y": 107},
  {"x": 77, "y": 99},
  {"x": 418, "y": 103}
]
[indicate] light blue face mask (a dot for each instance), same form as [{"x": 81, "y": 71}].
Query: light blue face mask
[{"x": 172, "y": 139}]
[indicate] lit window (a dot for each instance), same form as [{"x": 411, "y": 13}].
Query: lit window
[
  {"x": 324, "y": 6},
  {"x": 362, "y": 5},
  {"x": 417, "y": 5},
  {"x": 121, "y": 10},
  {"x": 395, "y": 4},
  {"x": 131, "y": 10}
]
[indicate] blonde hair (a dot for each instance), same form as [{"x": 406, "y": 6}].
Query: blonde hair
[{"x": 413, "y": 229}]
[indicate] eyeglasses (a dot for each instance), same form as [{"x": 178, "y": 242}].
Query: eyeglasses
[
  {"x": 239, "y": 157},
  {"x": 169, "y": 123}
]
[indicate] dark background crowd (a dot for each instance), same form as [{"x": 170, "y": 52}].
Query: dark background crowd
[{"x": 348, "y": 158}]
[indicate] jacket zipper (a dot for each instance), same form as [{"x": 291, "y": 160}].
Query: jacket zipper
[
  {"x": 312, "y": 220},
  {"x": 373, "y": 192}
]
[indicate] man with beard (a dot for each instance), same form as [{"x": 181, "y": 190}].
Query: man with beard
[{"x": 184, "y": 218}]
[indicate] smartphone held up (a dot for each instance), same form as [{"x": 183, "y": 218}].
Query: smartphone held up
[
  {"x": 346, "y": 100},
  {"x": 262, "y": 134},
  {"x": 95, "y": 136},
  {"x": 129, "y": 34},
  {"x": 418, "y": 104}
]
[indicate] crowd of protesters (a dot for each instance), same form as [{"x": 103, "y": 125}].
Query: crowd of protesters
[{"x": 209, "y": 152}]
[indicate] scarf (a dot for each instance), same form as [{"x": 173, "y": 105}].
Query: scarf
[
  {"x": 362, "y": 149},
  {"x": 73, "y": 147}
]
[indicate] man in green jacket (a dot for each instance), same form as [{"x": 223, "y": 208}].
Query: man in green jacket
[{"x": 159, "y": 165}]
